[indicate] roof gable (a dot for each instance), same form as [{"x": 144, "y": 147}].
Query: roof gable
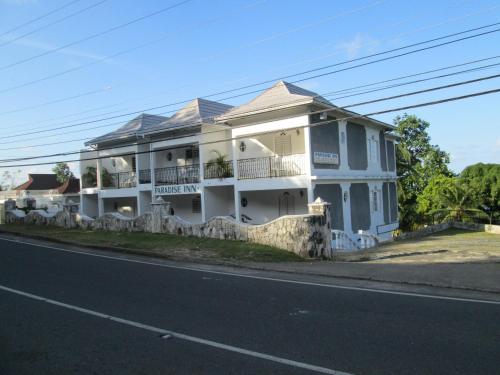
[
  {"x": 199, "y": 111},
  {"x": 138, "y": 125},
  {"x": 281, "y": 95}
]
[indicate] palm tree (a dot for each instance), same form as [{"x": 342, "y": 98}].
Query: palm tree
[
  {"x": 220, "y": 166},
  {"x": 458, "y": 202}
]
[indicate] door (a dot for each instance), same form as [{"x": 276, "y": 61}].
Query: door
[
  {"x": 286, "y": 204},
  {"x": 283, "y": 144}
]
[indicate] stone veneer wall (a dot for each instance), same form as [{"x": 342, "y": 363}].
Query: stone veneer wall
[{"x": 305, "y": 235}]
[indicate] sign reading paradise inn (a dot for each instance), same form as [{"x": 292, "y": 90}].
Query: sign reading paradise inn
[{"x": 177, "y": 189}]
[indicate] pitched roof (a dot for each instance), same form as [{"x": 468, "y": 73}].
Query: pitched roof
[
  {"x": 39, "y": 182},
  {"x": 281, "y": 95},
  {"x": 195, "y": 112},
  {"x": 72, "y": 186},
  {"x": 138, "y": 125}
]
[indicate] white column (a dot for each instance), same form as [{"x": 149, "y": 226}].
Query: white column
[
  {"x": 152, "y": 166},
  {"x": 98, "y": 171},
  {"x": 100, "y": 205},
  {"x": 234, "y": 146},
  {"x": 346, "y": 206},
  {"x": 308, "y": 161},
  {"x": 344, "y": 162},
  {"x": 203, "y": 209},
  {"x": 237, "y": 199}
]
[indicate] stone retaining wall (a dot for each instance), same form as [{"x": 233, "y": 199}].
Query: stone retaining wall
[{"x": 305, "y": 235}]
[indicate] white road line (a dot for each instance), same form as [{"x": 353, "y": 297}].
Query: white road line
[
  {"x": 186, "y": 268},
  {"x": 181, "y": 336}
]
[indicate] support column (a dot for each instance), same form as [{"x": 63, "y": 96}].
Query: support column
[
  {"x": 100, "y": 205},
  {"x": 203, "y": 209},
  {"x": 308, "y": 166},
  {"x": 346, "y": 206},
  {"x": 344, "y": 162},
  {"x": 152, "y": 167},
  {"x": 99, "y": 172},
  {"x": 237, "y": 199}
]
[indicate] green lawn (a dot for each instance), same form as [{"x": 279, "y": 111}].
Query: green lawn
[
  {"x": 452, "y": 245},
  {"x": 163, "y": 245}
]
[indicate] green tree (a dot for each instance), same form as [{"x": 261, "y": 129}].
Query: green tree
[
  {"x": 9, "y": 179},
  {"x": 418, "y": 161},
  {"x": 484, "y": 181},
  {"x": 457, "y": 201},
  {"x": 62, "y": 172},
  {"x": 220, "y": 166},
  {"x": 431, "y": 199},
  {"x": 89, "y": 178}
]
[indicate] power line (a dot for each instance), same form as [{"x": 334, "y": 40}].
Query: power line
[
  {"x": 296, "y": 81},
  {"x": 426, "y": 104},
  {"x": 96, "y": 35},
  {"x": 38, "y": 18},
  {"x": 235, "y": 127},
  {"x": 243, "y": 115},
  {"x": 52, "y": 23}
]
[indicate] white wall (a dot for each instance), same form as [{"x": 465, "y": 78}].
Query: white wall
[
  {"x": 144, "y": 202},
  {"x": 219, "y": 201},
  {"x": 183, "y": 207},
  {"x": 124, "y": 206},
  {"x": 263, "y": 206},
  {"x": 89, "y": 205}
]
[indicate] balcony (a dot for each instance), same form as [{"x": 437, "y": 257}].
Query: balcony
[
  {"x": 122, "y": 180},
  {"x": 218, "y": 170},
  {"x": 145, "y": 176},
  {"x": 271, "y": 166},
  {"x": 177, "y": 175}
]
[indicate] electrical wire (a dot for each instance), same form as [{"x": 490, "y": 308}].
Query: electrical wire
[
  {"x": 425, "y": 104},
  {"x": 94, "y": 36},
  {"x": 235, "y": 127},
  {"x": 62, "y": 19},
  {"x": 280, "y": 78},
  {"x": 38, "y": 18}
]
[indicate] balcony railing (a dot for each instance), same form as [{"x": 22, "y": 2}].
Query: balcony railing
[
  {"x": 271, "y": 166},
  {"x": 145, "y": 176},
  {"x": 120, "y": 180},
  {"x": 177, "y": 175},
  {"x": 218, "y": 170}
]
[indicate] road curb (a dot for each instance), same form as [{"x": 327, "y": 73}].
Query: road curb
[{"x": 255, "y": 267}]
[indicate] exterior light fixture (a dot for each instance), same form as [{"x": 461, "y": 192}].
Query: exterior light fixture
[
  {"x": 243, "y": 146},
  {"x": 244, "y": 202},
  {"x": 346, "y": 195},
  {"x": 169, "y": 156},
  {"x": 323, "y": 115}
]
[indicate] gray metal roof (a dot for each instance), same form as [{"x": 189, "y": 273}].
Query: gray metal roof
[
  {"x": 281, "y": 95},
  {"x": 196, "y": 112},
  {"x": 138, "y": 125},
  {"x": 199, "y": 111}
]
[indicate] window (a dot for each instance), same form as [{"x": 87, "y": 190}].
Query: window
[
  {"x": 196, "y": 205},
  {"x": 283, "y": 144},
  {"x": 374, "y": 150},
  {"x": 375, "y": 200}
]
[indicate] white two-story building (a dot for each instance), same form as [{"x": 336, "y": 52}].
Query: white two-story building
[{"x": 264, "y": 159}]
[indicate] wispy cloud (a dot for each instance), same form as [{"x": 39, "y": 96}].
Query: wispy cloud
[
  {"x": 18, "y": 2},
  {"x": 43, "y": 46},
  {"x": 359, "y": 43}
]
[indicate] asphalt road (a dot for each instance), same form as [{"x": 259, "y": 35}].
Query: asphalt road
[{"x": 84, "y": 314}]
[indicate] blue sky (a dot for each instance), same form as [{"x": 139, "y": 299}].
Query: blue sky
[{"x": 203, "y": 47}]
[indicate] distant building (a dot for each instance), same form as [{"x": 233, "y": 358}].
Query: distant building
[{"x": 44, "y": 191}]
